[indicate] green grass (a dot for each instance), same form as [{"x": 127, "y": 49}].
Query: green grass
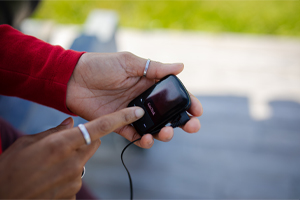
[{"x": 258, "y": 17}]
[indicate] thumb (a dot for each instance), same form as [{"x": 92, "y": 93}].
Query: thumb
[
  {"x": 66, "y": 124},
  {"x": 31, "y": 139}
]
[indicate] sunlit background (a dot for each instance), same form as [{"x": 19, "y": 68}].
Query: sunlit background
[
  {"x": 258, "y": 17},
  {"x": 242, "y": 61}
]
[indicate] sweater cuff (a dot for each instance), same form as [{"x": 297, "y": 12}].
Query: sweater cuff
[
  {"x": 35, "y": 70},
  {"x": 68, "y": 61}
]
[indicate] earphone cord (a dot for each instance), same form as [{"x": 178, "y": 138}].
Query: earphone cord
[
  {"x": 183, "y": 118},
  {"x": 129, "y": 176}
]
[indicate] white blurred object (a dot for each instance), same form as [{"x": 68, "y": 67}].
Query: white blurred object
[
  {"x": 64, "y": 35},
  {"x": 49, "y": 31},
  {"x": 38, "y": 28},
  {"x": 102, "y": 24}
]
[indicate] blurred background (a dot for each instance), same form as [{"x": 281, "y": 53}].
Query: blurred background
[{"x": 242, "y": 61}]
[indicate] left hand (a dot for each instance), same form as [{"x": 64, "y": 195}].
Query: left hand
[{"x": 103, "y": 83}]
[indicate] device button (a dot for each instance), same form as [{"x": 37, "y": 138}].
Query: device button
[
  {"x": 138, "y": 102},
  {"x": 145, "y": 123}
]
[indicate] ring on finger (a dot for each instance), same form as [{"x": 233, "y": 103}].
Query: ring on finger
[
  {"x": 83, "y": 172},
  {"x": 146, "y": 67},
  {"x": 85, "y": 134}
]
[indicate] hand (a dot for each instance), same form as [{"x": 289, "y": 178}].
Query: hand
[
  {"x": 105, "y": 83},
  {"x": 48, "y": 165}
]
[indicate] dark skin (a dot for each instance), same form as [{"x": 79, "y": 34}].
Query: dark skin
[
  {"x": 48, "y": 165},
  {"x": 105, "y": 83}
]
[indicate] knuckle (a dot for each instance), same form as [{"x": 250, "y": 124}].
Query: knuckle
[
  {"x": 105, "y": 125},
  {"x": 128, "y": 117},
  {"x": 56, "y": 147},
  {"x": 126, "y": 55}
]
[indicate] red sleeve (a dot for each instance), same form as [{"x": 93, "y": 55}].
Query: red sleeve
[{"x": 35, "y": 70}]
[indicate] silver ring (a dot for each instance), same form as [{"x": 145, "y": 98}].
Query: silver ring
[
  {"x": 147, "y": 66},
  {"x": 83, "y": 172},
  {"x": 85, "y": 134}
]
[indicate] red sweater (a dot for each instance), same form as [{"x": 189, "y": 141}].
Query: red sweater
[{"x": 34, "y": 70}]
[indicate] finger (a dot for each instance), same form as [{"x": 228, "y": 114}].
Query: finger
[
  {"x": 130, "y": 134},
  {"x": 147, "y": 141},
  {"x": 192, "y": 126},
  {"x": 103, "y": 125},
  {"x": 156, "y": 70},
  {"x": 196, "y": 108},
  {"x": 165, "y": 134},
  {"x": 85, "y": 152},
  {"x": 66, "y": 124}
]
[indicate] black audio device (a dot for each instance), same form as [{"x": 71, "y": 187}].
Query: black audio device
[{"x": 165, "y": 102}]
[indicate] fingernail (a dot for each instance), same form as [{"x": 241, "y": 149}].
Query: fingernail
[
  {"x": 150, "y": 143},
  {"x": 66, "y": 121},
  {"x": 169, "y": 138},
  {"x": 139, "y": 112}
]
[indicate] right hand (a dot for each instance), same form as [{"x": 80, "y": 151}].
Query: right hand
[{"x": 48, "y": 165}]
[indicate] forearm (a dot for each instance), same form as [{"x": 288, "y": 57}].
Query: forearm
[{"x": 34, "y": 70}]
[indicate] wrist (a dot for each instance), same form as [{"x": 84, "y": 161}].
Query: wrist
[{"x": 73, "y": 87}]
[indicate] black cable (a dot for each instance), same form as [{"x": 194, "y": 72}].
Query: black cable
[
  {"x": 179, "y": 121},
  {"x": 129, "y": 176}
]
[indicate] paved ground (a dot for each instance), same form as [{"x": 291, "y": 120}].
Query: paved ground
[{"x": 249, "y": 143}]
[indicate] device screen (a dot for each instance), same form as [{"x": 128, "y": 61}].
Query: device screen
[{"x": 163, "y": 98}]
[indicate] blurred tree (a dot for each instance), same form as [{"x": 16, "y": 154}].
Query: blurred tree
[{"x": 259, "y": 17}]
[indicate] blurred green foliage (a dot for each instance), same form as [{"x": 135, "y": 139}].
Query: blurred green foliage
[{"x": 259, "y": 17}]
